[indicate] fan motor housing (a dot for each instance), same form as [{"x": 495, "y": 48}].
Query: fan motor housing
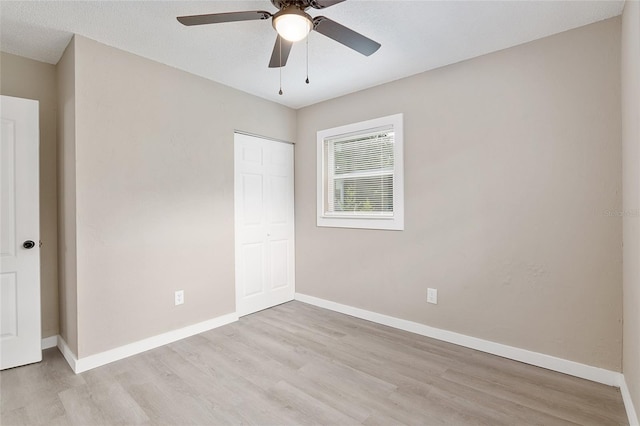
[{"x": 300, "y": 4}]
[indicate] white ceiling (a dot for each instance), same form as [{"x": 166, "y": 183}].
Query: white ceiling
[{"x": 415, "y": 35}]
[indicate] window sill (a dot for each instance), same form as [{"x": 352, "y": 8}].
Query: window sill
[{"x": 383, "y": 223}]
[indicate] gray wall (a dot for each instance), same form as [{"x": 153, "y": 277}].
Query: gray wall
[
  {"x": 631, "y": 193},
  {"x": 26, "y": 78},
  {"x": 154, "y": 193},
  {"x": 511, "y": 161},
  {"x": 67, "y": 200}
]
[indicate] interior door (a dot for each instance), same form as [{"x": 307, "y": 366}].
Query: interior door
[
  {"x": 264, "y": 223},
  {"x": 19, "y": 234}
]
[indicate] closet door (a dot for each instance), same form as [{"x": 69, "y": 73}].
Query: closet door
[{"x": 264, "y": 228}]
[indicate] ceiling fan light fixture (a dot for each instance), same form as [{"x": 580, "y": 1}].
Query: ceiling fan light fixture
[{"x": 292, "y": 24}]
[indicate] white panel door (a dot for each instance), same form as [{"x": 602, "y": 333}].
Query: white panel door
[
  {"x": 19, "y": 234},
  {"x": 263, "y": 223}
]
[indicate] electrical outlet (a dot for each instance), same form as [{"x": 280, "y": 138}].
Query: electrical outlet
[
  {"x": 432, "y": 295},
  {"x": 179, "y": 297}
]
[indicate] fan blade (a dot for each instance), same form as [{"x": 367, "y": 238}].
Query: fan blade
[
  {"x": 323, "y": 4},
  {"x": 344, "y": 35},
  {"x": 276, "y": 59},
  {"x": 217, "y": 18}
]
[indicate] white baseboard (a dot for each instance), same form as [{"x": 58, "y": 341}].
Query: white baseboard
[
  {"x": 49, "y": 342},
  {"x": 628, "y": 404},
  {"x": 121, "y": 352},
  {"x": 67, "y": 353},
  {"x": 549, "y": 362}
]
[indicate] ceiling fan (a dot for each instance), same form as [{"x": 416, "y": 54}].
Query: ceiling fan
[{"x": 292, "y": 24}]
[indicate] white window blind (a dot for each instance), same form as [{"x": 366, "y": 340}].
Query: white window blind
[
  {"x": 360, "y": 170},
  {"x": 360, "y": 175}
]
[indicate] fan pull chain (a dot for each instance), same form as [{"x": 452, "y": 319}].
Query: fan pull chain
[
  {"x": 307, "y": 80},
  {"x": 280, "y": 44}
]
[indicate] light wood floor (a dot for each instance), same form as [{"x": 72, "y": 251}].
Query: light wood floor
[{"x": 298, "y": 364}]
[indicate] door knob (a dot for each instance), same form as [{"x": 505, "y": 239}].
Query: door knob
[{"x": 28, "y": 244}]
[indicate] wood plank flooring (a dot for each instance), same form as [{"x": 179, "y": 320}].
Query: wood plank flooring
[{"x": 297, "y": 364}]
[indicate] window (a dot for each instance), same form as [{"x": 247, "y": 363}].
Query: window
[{"x": 360, "y": 181}]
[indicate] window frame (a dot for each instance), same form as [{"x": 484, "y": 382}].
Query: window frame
[{"x": 350, "y": 220}]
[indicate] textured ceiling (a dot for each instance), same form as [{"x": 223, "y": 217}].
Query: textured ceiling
[{"x": 415, "y": 35}]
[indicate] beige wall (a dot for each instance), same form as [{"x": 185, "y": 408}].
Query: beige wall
[
  {"x": 26, "y": 78},
  {"x": 67, "y": 201},
  {"x": 511, "y": 160},
  {"x": 631, "y": 194},
  {"x": 154, "y": 181}
]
